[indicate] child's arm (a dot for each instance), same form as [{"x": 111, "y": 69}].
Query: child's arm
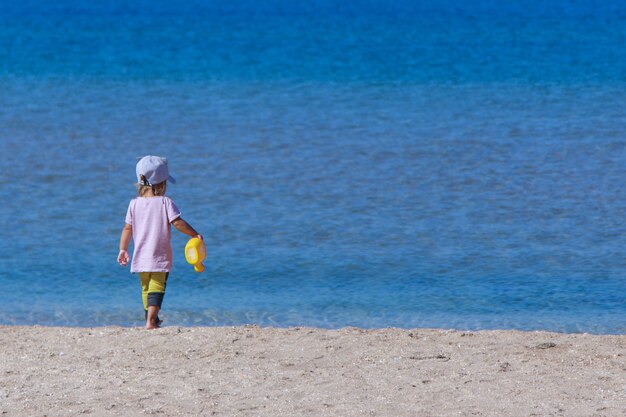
[
  {"x": 184, "y": 227},
  {"x": 123, "y": 256}
]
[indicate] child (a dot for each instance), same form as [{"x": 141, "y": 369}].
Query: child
[{"x": 148, "y": 221}]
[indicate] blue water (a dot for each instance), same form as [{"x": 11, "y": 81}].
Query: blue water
[{"x": 455, "y": 164}]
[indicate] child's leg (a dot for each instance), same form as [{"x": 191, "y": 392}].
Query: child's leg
[
  {"x": 152, "y": 318},
  {"x": 155, "y": 293},
  {"x": 144, "y": 280}
]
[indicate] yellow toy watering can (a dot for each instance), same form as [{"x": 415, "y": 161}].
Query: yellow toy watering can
[{"x": 195, "y": 253}]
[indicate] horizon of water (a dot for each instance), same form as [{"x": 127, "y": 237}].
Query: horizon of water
[{"x": 448, "y": 164}]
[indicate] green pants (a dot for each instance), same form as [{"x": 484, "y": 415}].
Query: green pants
[{"x": 152, "y": 288}]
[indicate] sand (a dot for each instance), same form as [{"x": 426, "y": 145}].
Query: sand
[{"x": 252, "y": 371}]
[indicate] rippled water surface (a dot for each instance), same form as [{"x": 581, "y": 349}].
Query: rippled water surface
[{"x": 452, "y": 164}]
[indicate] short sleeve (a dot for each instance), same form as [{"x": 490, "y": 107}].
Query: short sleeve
[
  {"x": 129, "y": 212},
  {"x": 172, "y": 211}
]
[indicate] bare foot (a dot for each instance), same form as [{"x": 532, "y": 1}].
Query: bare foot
[{"x": 153, "y": 325}]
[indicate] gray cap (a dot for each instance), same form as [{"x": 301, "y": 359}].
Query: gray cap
[{"x": 154, "y": 168}]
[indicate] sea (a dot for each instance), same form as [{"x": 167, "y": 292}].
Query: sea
[{"x": 453, "y": 164}]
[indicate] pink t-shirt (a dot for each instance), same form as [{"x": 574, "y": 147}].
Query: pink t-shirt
[{"x": 150, "y": 218}]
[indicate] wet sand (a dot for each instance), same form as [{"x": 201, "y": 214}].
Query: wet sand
[{"x": 252, "y": 371}]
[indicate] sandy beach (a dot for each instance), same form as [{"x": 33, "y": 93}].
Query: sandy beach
[{"x": 252, "y": 371}]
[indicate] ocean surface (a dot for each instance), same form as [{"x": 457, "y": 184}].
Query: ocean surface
[{"x": 453, "y": 164}]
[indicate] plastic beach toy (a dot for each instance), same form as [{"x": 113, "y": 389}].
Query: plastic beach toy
[{"x": 195, "y": 253}]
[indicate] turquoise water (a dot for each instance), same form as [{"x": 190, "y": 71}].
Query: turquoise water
[{"x": 448, "y": 164}]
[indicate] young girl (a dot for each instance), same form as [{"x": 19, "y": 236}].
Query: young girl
[{"x": 148, "y": 222}]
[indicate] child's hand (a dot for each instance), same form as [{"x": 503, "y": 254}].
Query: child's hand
[
  {"x": 199, "y": 236},
  {"x": 123, "y": 258}
]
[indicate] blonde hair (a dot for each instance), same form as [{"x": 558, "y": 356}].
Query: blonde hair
[{"x": 155, "y": 189}]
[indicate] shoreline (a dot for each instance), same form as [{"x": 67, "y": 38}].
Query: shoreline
[
  {"x": 138, "y": 324},
  {"x": 300, "y": 371}
]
